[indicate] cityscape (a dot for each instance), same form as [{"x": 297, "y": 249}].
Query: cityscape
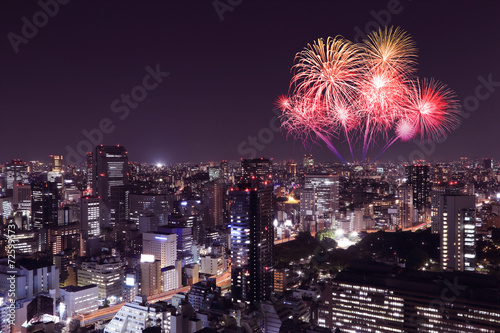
[{"x": 229, "y": 166}]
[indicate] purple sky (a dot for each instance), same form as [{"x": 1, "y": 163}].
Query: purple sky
[{"x": 224, "y": 76}]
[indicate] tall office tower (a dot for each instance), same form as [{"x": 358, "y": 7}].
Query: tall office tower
[
  {"x": 150, "y": 276},
  {"x": 457, "y": 220},
  {"x": 488, "y": 163},
  {"x": 406, "y": 212},
  {"x": 107, "y": 273},
  {"x": 417, "y": 176},
  {"x": 90, "y": 173},
  {"x": 213, "y": 203},
  {"x": 157, "y": 205},
  {"x": 321, "y": 192},
  {"x": 224, "y": 172},
  {"x": 57, "y": 163},
  {"x": 109, "y": 168},
  {"x": 184, "y": 242},
  {"x": 119, "y": 203},
  {"x": 16, "y": 171},
  {"x": 464, "y": 161},
  {"x": 260, "y": 169},
  {"x": 252, "y": 241},
  {"x": 22, "y": 197},
  {"x": 44, "y": 204},
  {"x": 90, "y": 210},
  {"x": 436, "y": 192},
  {"x": 162, "y": 246},
  {"x": 291, "y": 171},
  {"x": 308, "y": 163}
]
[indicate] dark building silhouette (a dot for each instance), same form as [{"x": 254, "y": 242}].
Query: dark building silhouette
[
  {"x": 252, "y": 241},
  {"x": 417, "y": 176}
]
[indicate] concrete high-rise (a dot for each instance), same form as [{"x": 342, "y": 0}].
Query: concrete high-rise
[
  {"x": 457, "y": 230},
  {"x": 321, "y": 200},
  {"x": 107, "y": 167},
  {"x": 417, "y": 176},
  {"x": 259, "y": 169},
  {"x": 252, "y": 241},
  {"x": 162, "y": 246}
]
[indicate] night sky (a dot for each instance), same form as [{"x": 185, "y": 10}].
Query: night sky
[{"x": 224, "y": 76}]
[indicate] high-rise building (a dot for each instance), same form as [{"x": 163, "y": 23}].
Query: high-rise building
[
  {"x": 151, "y": 283},
  {"x": 252, "y": 241},
  {"x": 139, "y": 316},
  {"x": 157, "y": 205},
  {"x": 57, "y": 163},
  {"x": 22, "y": 197},
  {"x": 383, "y": 300},
  {"x": 321, "y": 200},
  {"x": 44, "y": 204},
  {"x": 109, "y": 168},
  {"x": 184, "y": 242},
  {"x": 457, "y": 231},
  {"x": 406, "y": 212},
  {"x": 258, "y": 169},
  {"x": 90, "y": 211},
  {"x": 119, "y": 203},
  {"x": 107, "y": 274},
  {"x": 417, "y": 176},
  {"x": 162, "y": 245},
  {"x": 16, "y": 171},
  {"x": 214, "y": 204},
  {"x": 308, "y": 163},
  {"x": 79, "y": 300},
  {"x": 224, "y": 172},
  {"x": 436, "y": 192},
  {"x": 488, "y": 163}
]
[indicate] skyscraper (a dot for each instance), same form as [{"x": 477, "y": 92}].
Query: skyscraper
[
  {"x": 90, "y": 209},
  {"x": 44, "y": 204},
  {"x": 257, "y": 169},
  {"x": 457, "y": 231},
  {"x": 16, "y": 170},
  {"x": 151, "y": 283},
  {"x": 417, "y": 176},
  {"x": 406, "y": 214},
  {"x": 109, "y": 168},
  {"x": 308, "y": 163},
  {"x": 321, "y": 200},
  {"x": 252, "y": 241},
  {"x": 162, "y": 246},
  {"x": 213, "y": 201}
]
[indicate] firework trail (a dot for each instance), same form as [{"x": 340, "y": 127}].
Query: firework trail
[{"x": 361, "y": 93}]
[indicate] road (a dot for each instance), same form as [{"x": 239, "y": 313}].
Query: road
[{"x": 109, "y": 312}]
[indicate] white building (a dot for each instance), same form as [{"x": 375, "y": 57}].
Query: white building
[
  {"x": 213, "y": 265},
  {"x": 136, "y": 316},
  {"x": 107, "y": 274},
  {"x": 32, "y": 278},
  {"x": 172, "y": 276},
  {"x": 80, "y": 299},
  {"x": 162, "y": 246}
]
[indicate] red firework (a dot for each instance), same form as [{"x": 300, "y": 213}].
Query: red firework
[
  {"x": 363, "y": 92},
  {"x": 432, "y": 107}
]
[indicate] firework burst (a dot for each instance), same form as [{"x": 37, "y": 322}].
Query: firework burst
[
  {"x": 364, "y": 93},
  {"x": 433, "y": 108}
]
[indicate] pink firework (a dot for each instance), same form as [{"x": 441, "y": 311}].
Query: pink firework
[
  {"x": 364, "y": 94},
  {"x": 405, "y": 130},
  {"x": 381, "y": 97},
  {"x": 432, "y": 107}
]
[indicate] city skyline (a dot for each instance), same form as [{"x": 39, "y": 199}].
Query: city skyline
[{"x": 209, "y": 90}]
